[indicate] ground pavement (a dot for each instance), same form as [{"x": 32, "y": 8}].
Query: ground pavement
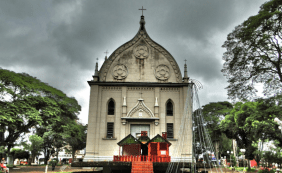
[{"x": 41, "y": 169}]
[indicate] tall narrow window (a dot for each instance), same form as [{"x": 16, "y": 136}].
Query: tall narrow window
[
  {"x": 169, "y": 130},
  {"x": 169, "y": 108},
  {"x": 111, "y": 107},
  {"x": 110, "y": 130}
]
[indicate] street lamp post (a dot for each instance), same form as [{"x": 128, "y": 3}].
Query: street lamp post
[
  {"x": 243, "y": 151},
  {"x": 230, "y": 159},
  {"x": 279, "y": 123},
  {"x": 229, "y": 155}
]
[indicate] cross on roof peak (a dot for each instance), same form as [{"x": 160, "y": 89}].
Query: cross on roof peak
[
  {"x": 106, "y": 52},
  {"x": 142, "y": 10}
]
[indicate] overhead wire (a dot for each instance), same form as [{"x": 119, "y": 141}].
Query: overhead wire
[
  {"x": 188, "y": 122},
  {"x": 207, "y": 136},
  {"x": 181, "y": 133}
]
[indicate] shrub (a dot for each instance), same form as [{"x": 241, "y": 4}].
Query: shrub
[
  {"x": 10, "y": 166},
  {"x": 251, "y": 170},
  {"x": 266, "y": 170},
  {"x": 239, "y": 168},
  {"x": 53, "y": 160}
]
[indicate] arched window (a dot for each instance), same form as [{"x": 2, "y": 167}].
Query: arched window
[
  {"x": 169, "y": 108},
  {"x": 111, "y": 107}
]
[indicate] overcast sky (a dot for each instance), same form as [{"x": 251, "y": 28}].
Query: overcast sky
[{"x": 58, "y": 41}]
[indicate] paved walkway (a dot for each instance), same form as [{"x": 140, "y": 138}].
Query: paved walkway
[{"x": 41, "y": 169}]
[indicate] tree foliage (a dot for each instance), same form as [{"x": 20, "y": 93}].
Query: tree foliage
[
  {"x": 27, "y": 102},
  {"x": 251, "y": 121},
  {"x": 35, "y": 146},
  {"x": 19, "y": 153},
  {"x": 75, "y": 136},
  {"x": 48, "y": 139},
  {"x": 54, "y": 136},
  {"x": 212, "y": 114},
  {"x": 253, "y": 53},
  {"x": 258, "y": 153}
]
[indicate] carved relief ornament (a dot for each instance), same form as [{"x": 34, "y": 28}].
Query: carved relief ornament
[
  {"x": 162, "y": 72},
  {"x": 141, "y": 51},
  {"x": 120, "y": 72}
]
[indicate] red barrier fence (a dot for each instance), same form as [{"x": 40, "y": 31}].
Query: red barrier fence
[{"x": 141, "y": 158}]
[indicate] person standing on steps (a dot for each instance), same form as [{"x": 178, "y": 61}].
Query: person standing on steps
[{"x": 53, "y": 165}]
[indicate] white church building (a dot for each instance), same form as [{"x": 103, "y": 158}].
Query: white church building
[{"x": 138, "y": 88}]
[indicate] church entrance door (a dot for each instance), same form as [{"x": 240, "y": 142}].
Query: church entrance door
[{"x": 135, "y": 129}]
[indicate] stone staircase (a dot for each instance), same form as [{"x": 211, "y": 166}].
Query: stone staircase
[{"x": 142, "y": 167}]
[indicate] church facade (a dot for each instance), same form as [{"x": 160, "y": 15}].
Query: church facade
[{"x": 138, "y": 88}]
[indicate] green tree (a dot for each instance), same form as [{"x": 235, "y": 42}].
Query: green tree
[
  {"x": 35, "y": 146},
  {"x": 27, "y": 102},
  {"x": 75, "y": 136},
  {"x": 213, "y": 113},
  {"x": 225, "y": 144},
  {"x": 274, "y": 153},
  {"x": 251, "y": 121},
  {"x": 270, "y": 157},
  {"x": 253, "y": 53},
  {"x": 258, "y": 153},
  {"x": 279, "y": 159},
  {"x": 50, "y": 137},
  {"x": 54, "y": 134},
  {"x": 58, "y": 143},
  {"x": 19, "y": 153}
]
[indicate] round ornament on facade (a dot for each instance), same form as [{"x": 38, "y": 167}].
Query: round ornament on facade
[
  {"x": 162, "y": 72},
  {"x": 141, "y": 51},
  {"x": 120, "y": 72}
]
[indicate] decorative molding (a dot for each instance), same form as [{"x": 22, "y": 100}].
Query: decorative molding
[
  {"x": 162, "y": 72},
  {"x": 140, "y": 88},
  {"x": 109, "y": 138},
  {"x": 120, "y": 72},
  {"x": 169, "y": 89},
  {"x": 123, "y": 121},
  {"x": 111, "y": 88},
  {"x": 140, "y": 106},
  {"x": 137, "y": 118},
  {"x": 156, "y": 102},
  {"x": 168, "y": 56},
  {"x": 124, "y": 101},
  {"x": 156, "y": 122},
  {"x": 139, "y": 84}
]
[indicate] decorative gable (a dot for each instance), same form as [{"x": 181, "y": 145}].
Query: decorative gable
[
  {"x": 158, "y": 138},
  {"x": 140, "y": 60},
  {"x": 129, "y": 139},
  {"x": 140, "y": 107}
]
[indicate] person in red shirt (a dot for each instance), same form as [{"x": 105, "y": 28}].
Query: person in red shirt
[{"x": 4, "y": 168}]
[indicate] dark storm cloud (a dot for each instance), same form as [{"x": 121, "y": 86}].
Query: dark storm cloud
[
  {"x": 98, "y": 25},
  {"x": 20, "y": 10},
  {"x": 58, "y": 41},
  {"x": 23, "y": 33}
]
